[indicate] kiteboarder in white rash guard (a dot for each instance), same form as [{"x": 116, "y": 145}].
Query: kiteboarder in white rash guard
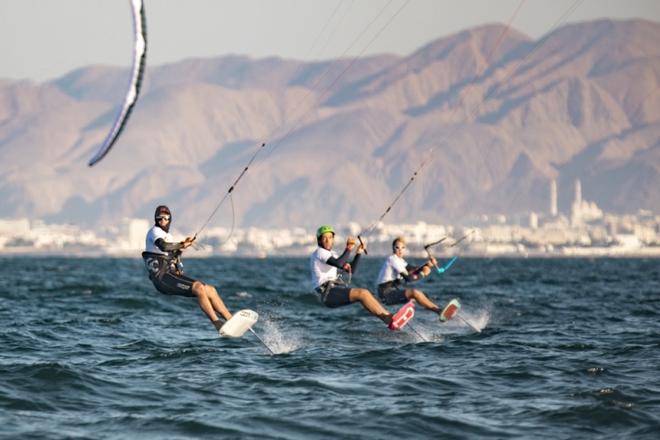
[
  {"x": 328, "y": 283},
  {"x": 395, "y": 271},
  {"x": 163, "y": 260}
]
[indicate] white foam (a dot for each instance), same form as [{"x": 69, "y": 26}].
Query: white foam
[
  {"x": 479, "y": 318},
  {"x": 276, "y": 340},
  {"x": 423, "y": 334}
]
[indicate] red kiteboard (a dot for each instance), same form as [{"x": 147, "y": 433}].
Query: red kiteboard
[{"x": 401, "y": 318}]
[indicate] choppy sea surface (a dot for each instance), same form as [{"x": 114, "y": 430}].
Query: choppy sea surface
[{"x": 569, "y": 348}]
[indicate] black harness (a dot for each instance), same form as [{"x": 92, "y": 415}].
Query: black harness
[
  {"x": 158, "y": 264},
  {"x": 390, "y": 284},
  {"x": 324, "y": 288},
  {"x": 337, "y": 282}
]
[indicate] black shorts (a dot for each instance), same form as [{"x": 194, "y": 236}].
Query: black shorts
[
  {"x": 391, "y": 294},
  {"x": 334, "y": 295},
  {"x": 172, "y": 284}
]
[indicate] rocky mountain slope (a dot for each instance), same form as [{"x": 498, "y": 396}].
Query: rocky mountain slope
[{"x": 497, "y": 116}]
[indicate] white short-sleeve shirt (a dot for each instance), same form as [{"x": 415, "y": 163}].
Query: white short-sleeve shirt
[
  {"x": 392, "y": 269},
  {"x": 154, "y": 234},
  {"x": 321, "y": 271}
]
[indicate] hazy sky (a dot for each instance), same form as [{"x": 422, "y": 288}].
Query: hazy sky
[{"x": 43, "y": 39}]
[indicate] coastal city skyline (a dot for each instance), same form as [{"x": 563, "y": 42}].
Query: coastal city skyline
[{"x": 583, "y": 231}]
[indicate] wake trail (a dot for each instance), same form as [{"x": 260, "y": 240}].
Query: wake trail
[{"x": 278, "y": 342}]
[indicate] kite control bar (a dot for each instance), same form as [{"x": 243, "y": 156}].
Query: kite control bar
[
  {"x": 364, "y": 248},
  {"x": 448, "y": 264},
  {"x": 461, "y": 239},
  {"x": 435, "y": 243}
]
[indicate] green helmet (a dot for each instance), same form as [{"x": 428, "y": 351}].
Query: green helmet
[{"x": 323, "y": 229}]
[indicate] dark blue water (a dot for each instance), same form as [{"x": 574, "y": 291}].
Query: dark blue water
[{"x": 569, "y": 349}]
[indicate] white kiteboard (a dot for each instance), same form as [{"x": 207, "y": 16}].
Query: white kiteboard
[{"x": 242, "y": 321}]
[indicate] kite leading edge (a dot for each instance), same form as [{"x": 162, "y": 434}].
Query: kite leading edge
[{"x": 139, "y": 63}]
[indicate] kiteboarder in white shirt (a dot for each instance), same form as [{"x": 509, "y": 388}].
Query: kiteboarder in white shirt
[
  {"x": 333, "y": 291},
  {"x": 395, "y": 271},
  {"x": 163, "y": 260}
]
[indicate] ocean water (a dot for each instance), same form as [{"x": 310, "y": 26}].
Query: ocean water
[{"x": 569, "y": 348}]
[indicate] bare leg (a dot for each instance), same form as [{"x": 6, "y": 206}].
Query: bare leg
[
  {"x": 205, "y": 304},
  {"x": 370, "y": 303},
  {"x": 422, "y": 299},
  {"x": 217, "y": 303}
]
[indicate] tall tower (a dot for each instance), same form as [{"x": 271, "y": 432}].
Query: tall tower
[
  {"x": 576, "y": 209},
  {"x": 553, "y": 198}
]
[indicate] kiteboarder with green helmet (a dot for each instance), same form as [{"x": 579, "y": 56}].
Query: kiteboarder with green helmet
[{"x": 327, "y": 282}]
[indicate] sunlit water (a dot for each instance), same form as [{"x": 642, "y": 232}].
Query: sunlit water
[{"x": 569, "y": 349}]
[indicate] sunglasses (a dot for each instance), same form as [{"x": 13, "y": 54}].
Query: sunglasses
[{"x": 163, "y": 217}]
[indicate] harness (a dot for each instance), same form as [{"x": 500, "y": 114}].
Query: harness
[
  {"x": 391, "y": 284},
  {"x": 158, "y": 264},
  {"x": 325, "y": 288}
]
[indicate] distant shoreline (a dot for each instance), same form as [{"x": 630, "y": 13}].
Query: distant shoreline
[{"x": 652, "y": 253}]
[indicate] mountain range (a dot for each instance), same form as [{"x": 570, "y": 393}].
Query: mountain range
[{"x": 490, "y": 115}]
